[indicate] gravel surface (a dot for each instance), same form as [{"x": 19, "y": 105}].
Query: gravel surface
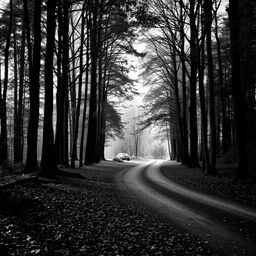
[{"x": 87, "y": 216}]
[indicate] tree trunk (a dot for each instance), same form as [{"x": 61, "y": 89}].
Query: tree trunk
[
  {"x": 60, "y": 145},
  {"x": 74, "y": 145},
  {"x": 28, "y": 36},
  {"x": 3, "y": 137},
  {"x": 48, "y": 164},
  {"x": 100, "y": 51},
  {"x": 16, "y": 148},
  {"x": 173, "y": 147},
  {"x": 193, "y": 84},
  {"x": 204, "y": 124},
  {"x": 208, "y": 26},
  {"x": 212, "y": 168},
  {"x": 168, "y": 142},
  {"x": 86, "y": 89},
  {"x": 186, "y": 159},
  {"x": 1, "y": 110},
  {"x": 90, "y": 153},
  {"x": 181, "y": 156},
  {"x": 72, "y": 114},
  {"x": 224, "y": 121},
  {"x": 34, "y": 87},
  {"x": 66, "y": 131},
  {"x": 238, "y": 92},
  {"x": 57, "y": 144},
  {"x": 103, "y": 136},
  {"x": 20, "y": 142}
]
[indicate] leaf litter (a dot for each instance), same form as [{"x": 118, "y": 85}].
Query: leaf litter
[{"x": 86, "y": 217}]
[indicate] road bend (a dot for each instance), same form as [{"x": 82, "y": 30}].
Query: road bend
[{"x": 226, "y": 225}]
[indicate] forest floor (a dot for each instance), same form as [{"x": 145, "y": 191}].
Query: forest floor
[{"x": 89, "y": 215}]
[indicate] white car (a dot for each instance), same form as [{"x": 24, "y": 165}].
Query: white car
[{"x": 122, "y": 156}]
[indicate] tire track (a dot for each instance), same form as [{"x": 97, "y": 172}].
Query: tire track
[{"x": 183, "y": 207}]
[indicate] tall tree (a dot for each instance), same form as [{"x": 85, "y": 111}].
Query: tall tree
[
  {"x": 48, "y": 164},
  {"x": 90, "y": 153},
  {"x": 34, "y": 87},
  {"x": 182, "y": 18},
  {"x": 224, "y": 118},
  {"x": 17, "y": 155},
  {"x": 248, "y": 73},
  {"x": 238, "y": 91},
  {"x": 61, "y": 138},
  {"x": 3, "y": 137},
  {"x": 59, "y": 107},
  {"x": 74, "y": 144},
  {"x": 19, "y": 127},
  {"x": 208, "y": 28},
  {"x": 204, "y": 123},
  {"x": 88, "y": 17},
  {"x": 193, "y": 86}
]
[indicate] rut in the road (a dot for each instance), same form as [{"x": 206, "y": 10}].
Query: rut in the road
[{"x": 191, "y": 210}]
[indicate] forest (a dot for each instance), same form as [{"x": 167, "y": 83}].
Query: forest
[{"x": 65, "y": 73}]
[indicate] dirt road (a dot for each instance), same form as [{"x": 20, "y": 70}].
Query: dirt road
[{"x": 225, "y": 225}]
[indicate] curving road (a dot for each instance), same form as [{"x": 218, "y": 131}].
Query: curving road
[{"x": 225, "y": 225}]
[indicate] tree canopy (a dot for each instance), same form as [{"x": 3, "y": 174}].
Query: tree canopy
[{"x": 65, "y": 69}]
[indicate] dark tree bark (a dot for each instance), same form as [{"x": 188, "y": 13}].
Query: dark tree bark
[
  {"x": 105, "y": 85},
  {"x": 74, "y": 145},
  {"x": 90, "y": 154},
  {"x": 57, "y": 144},
  {"x": 20, "y": 142},
  {"x": 60, "y": 146},
  {"x": 86, "y": 88},
  {"x": 48, "y": 163},
  {"x": 180, "y": 133},
  {"x": 16, "y": 148},
  {"x": 248, "y": 73},
  {"x": 73, "y": 93},
  {"x": 67, "y": 5},
  {"x": 73, "y": 84},
  {"x": 3, "y": 137},
  {"x": 100, "y": 39},
  {"x": 103, "y": 136},
  {"x": 34, "y": 87},
  {"x": 173, "y": 147},
  {"x": 168, "y": 141},
  {"x": 224, "y": 120},
  {"x": 66, "y": 130},
  {"x": 28, "y": 37},
  {"x": 0, "y": 91},
  {"x": 193, "y": 84},
  {"x": 186, "y": 159},
  {"x": 238, "y": 92},
  {"x": 204, "y": 123},
  {"x": 208, "y": 27}
]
